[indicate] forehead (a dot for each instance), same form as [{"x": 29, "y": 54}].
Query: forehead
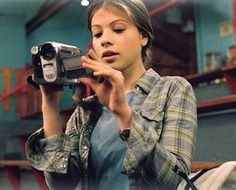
[{"x": 109, "y": 14}]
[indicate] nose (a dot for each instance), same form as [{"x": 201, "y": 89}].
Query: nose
[
  {"x": 106, "y": 38},
  {"x": 105, "y": 43}
]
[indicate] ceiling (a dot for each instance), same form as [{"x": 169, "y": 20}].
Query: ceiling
[
  {"x": 26, "y": 9},
  {"x": 19, "y": 8},
  {"x": 35, "y": 12}
]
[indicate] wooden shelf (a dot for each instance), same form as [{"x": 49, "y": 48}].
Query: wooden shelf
[
  {"x": 196, "y": 79},
  {"x": 12, "y": 163},
  {"x": 209, "y": 76},
  {"x": 13, "y": 172},
  {"x": 229, "y": 68},
  {"x": 221, "y": 103},
  {"x": 230, "y": 76},
  {"x": 197, "y": 166}
]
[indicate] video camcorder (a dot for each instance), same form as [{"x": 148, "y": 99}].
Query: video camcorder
[{"x": 56, "y": 63}]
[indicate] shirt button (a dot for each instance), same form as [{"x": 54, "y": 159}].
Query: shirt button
[
  {"x": 85, "y": 147},
  {"x": 138, "y": 89},
  {"x": 63, "y": 166}
]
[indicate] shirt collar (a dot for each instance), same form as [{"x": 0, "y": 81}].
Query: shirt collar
[{"x": 147, "y": 81}]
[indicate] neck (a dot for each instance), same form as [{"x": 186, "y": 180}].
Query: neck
[{"x": 131, "y": 77}]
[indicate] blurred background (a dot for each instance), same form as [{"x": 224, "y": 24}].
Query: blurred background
[{"x": 193, "y": 38}]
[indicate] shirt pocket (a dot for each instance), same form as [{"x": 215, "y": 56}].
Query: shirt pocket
[
  {"x": 153, "y": 114},
  {"x": 153, "y": 119}
]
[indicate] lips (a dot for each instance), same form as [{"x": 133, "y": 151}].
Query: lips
[
  {"x": 109, "y": 56},
  {"x": 108, "y": 53}
]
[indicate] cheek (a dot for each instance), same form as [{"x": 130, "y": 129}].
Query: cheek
[
  {"x": 96, "y": 47},
  {"x": 132, "y": 40},
  {"x": 132, "y": 44}
]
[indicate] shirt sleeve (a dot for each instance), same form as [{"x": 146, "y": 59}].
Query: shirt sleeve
[
  {"x": 162, "y": 135},
  {"x": 53, "y": 154},
  {"x": 48, "y": 154}
]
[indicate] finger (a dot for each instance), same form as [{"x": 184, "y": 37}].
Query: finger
[
  {"x": 88, "y": 61},
  {"x": 109, "y": 74},
  {"x": 92, "y": 65},
  {"x": 92, "y": 55},
  {"x": 88, "y": 81}
]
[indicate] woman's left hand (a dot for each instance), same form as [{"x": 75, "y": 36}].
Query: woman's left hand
[{"x": 108, "y": 83}]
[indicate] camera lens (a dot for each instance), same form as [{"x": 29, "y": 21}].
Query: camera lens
[{"x": 47, "y": 51}]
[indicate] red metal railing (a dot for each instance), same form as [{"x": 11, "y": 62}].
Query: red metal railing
[
  {"x": 19, "y": 88},
  {"x": 164, "y": 6},
  {"x": 234, "y": 19}
]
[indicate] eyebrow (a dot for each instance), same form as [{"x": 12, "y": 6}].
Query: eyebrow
[{"x": 118, "y": 20}]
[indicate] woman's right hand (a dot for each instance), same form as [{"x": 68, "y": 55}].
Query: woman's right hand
[
  {"x": 51, "y": 94},
  {"x": 52, "y": 123}
]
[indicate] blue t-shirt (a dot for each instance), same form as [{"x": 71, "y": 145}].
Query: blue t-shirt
[{"x": 107, "y": 152}]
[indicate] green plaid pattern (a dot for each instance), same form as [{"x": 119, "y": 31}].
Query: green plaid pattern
[{"x": 163, "y": 131}]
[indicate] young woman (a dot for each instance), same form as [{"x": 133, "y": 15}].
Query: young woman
[{"x": 140, "y": 128}]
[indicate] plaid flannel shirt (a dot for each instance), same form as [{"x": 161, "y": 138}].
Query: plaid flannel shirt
[{"x": 162, "y": 137}]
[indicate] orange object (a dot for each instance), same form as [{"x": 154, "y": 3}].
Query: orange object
[
  {"x": 231, "y": 56},
  {"x": 7, "y": 87}
]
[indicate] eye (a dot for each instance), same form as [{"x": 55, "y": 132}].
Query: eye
[
  {"x": 97, "y": 35},
  {"x": 120, "y": 30}
]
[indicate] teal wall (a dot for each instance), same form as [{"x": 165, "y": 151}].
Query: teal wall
[
  {"x": 12, "y": 54},
  {"x": 65, "y": 27},
  {"x": 216, "y": 130},
  {"x": 68, "y": 27},
  {"x": 215, "y": 137},
  {"x": 12, "y": 42},
  {"x": 209, "y": 15}
]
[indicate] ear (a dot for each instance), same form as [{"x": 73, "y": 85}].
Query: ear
[{"x": 144, "y": 40}]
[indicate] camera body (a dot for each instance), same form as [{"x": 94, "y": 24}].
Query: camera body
[{"x": 56, "y": 63}]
